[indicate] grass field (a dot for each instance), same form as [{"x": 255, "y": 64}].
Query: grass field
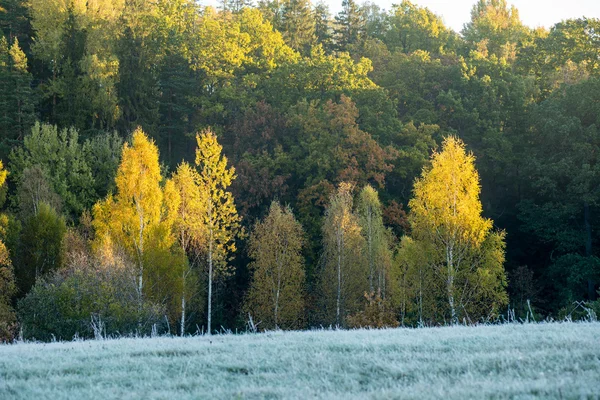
[{"x": 559, "y": 360}]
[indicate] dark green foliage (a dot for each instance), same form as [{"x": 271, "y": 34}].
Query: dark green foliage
[
  {"x": 8, "y": 287},
  {"x": 15, "y": 22},
  {"x": 298, "y": 25},
  {"x": 17, "y": 100},
  {"x": 138, "y": 86},
  {"x": 40, "y": 249},
  {"x": 323, "y": 26},
  {"x": 363, "y": 97},
  {"x": 84, "y": 303},
  {"x": 177, "y": 87},
  {"x": 56, "y": 167},
  {"x": 351, "y": 25},
  {"x": 102, "y": 154},
  {"x": 60, "y": 158},
  {"x": 560, "y": 207}
]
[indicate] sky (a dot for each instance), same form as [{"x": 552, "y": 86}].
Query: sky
[{"x": 455, "y": 13}]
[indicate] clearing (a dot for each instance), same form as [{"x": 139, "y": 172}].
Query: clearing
[{"x": 558, "y": 360}]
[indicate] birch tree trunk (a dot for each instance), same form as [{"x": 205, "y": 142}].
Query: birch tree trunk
[
  {"x": 450, "y": 281},
  {"x": 210, "y": 274},
  {"x": 183, "y": 307},
  {"x": 339, "y": 271}
]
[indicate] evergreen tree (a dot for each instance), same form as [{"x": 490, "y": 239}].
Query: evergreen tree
[
  {"x": 234, "y": 6},
  {"x": 350, "y": 29},
  {"x": 177, "y": 86},
  {"x": 15, "y": 22},
  {"x": 17, "y": 102},
  {"x": 298, "y": 25},
  {"x": 61, "y": 158},
  {"x": 139, "y": 50},
  {"x": 323, "y": 26}
]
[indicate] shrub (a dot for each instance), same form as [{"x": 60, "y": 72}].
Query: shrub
[
  {"x": 377, "y": 314},
  {"x": 76, "y": 301}
]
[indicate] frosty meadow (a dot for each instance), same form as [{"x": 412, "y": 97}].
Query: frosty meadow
[{"x": 558, "y": 360}]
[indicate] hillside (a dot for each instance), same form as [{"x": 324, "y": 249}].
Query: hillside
[{"x": 560, "y": 360}]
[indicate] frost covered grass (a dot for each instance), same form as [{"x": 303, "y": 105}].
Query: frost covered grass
[{"x": 559, "y": 360}]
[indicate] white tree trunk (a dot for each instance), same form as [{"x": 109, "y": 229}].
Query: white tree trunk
[
  {"x": 210, "y": 274},
  {"x": 450, "y": 281},
  {"x": 370, "y": 249},
  {"x": 340, "y": 244},
  {"x": 183, "y": 308}
]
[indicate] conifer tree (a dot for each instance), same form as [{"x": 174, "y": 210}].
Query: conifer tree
[
  {"x": 17, "y": 104},
  {"x": 220, "y": 218},
  {"x": 323, "y": 28},
  {"x": 15, "y": 22},
  {"x": 298, "y": 25},
  {"x": 276, "y": 295},
  {"x": 350, "y": 25}
]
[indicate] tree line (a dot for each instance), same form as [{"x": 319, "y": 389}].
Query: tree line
[{"x": 189, "y": 168}]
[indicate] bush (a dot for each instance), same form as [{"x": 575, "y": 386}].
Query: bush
[
  {"x": 40, "y": 247},
  {"x": 8, "y": 320},
  {"x": 377, "y": 314},
  {"x": 77, "y": 301}
]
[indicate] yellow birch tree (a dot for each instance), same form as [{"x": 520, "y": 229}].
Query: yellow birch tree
[
  {"x": 445, "y": 212},
  {"x": 139, "y": 217},
  {"x": 189, "y": 227},
  {"x": 8, "y": 285},
  {"x": 344, "y": 277},
  {"x": 377, "y": 251},
  {"x": 220, "y": 217},
  {"x": 276, "y": 295}
]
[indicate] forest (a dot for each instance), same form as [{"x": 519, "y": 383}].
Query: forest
[{"x": 168, "y": 167}]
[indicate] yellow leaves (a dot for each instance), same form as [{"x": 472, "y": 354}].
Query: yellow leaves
[
  {"x": 219, "y": 46},
  {"x": 97, "y": 17},
  {"x": 221, "y": 217},
  {"x": 144, "y": 215},
  {"x": 19, "y": 59},
  {"x": 138, "y": 177},
  {"x": 4, "y": 257},
  {"x": 226, "y": 42},
  {"x": 456, "y": 241},
  {"x": 446, "y": 204},
  {"x": 214, "y": 173},
  {"x": 3, "y": 174},
  {"x": 266, "y": 48},
  {"x": 276, "y": 295},
  {"x": 141, "y": 208},
  {"x": 340, "y": 212},
  {"x": 191, "y": 207},
  {"x": 345, "y": 277}
]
